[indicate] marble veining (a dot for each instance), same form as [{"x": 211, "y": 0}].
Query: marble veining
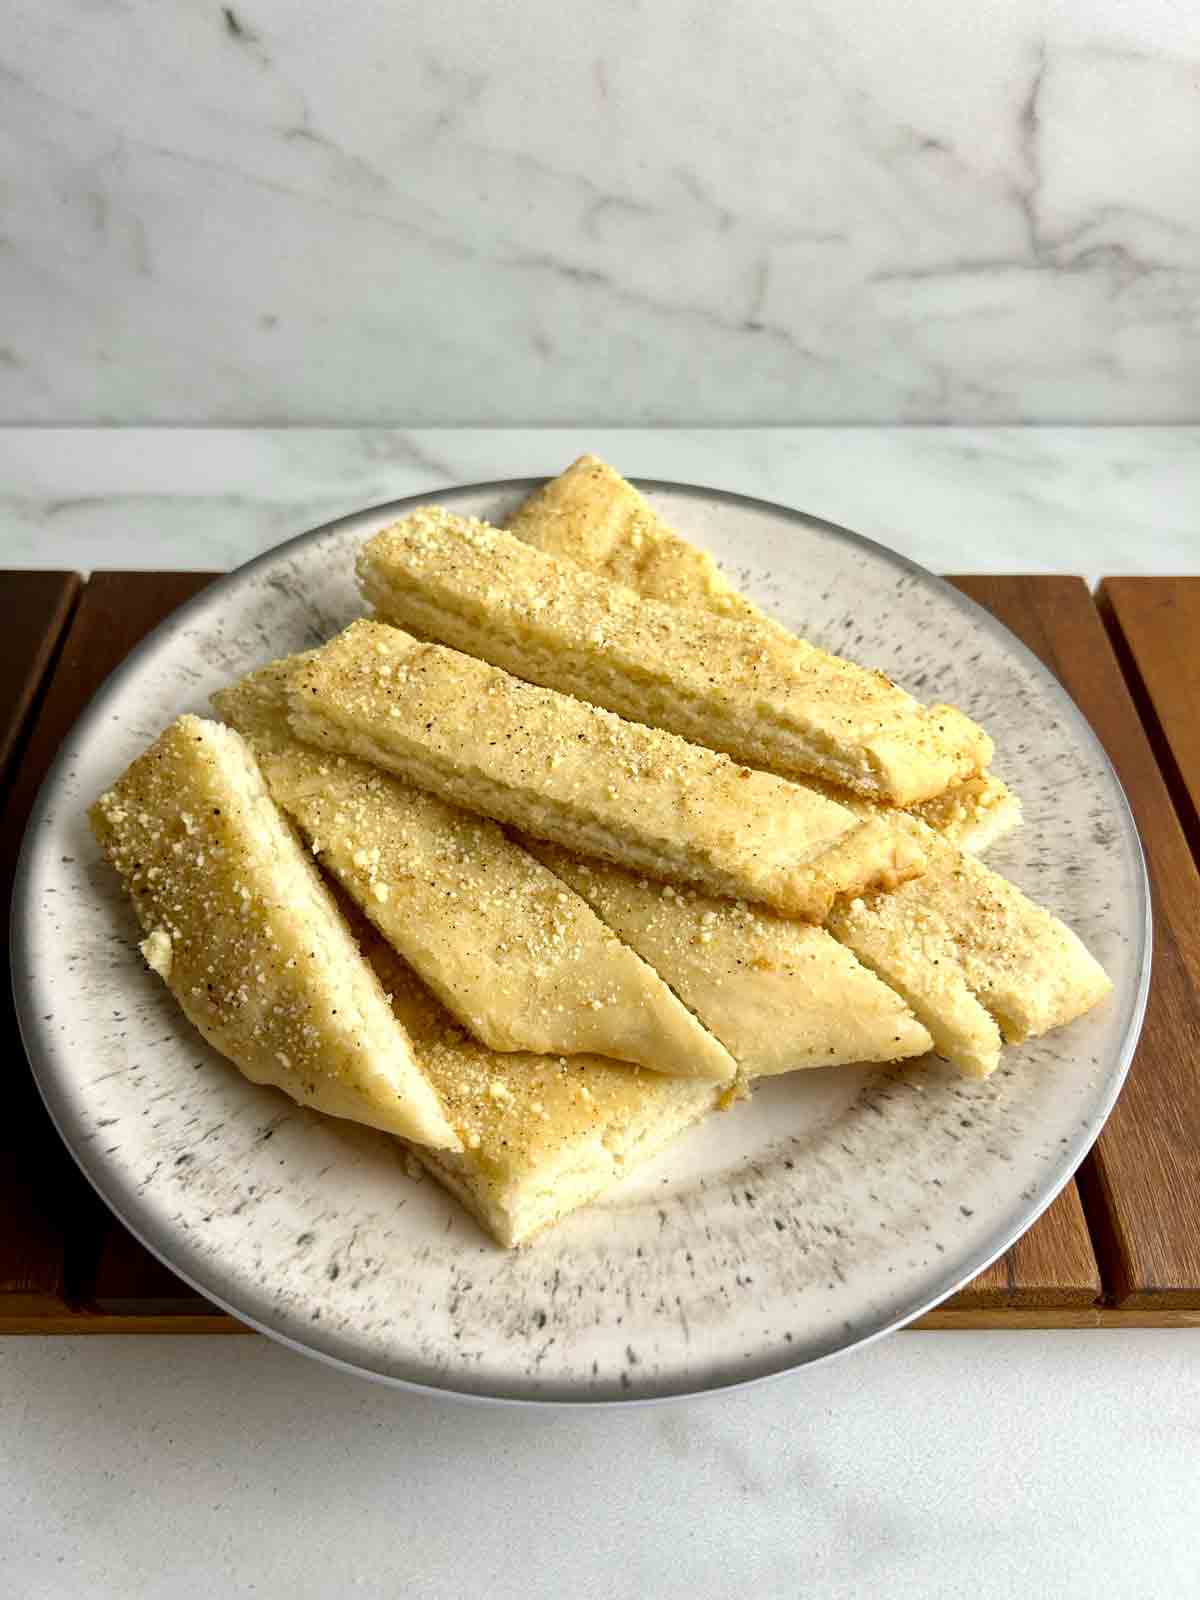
[
  {"x": 1088, "y": 500},
  {"x": 678, "y": 212}
]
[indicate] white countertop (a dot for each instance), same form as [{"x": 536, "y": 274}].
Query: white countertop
[
  {"x": 1064, "y": 1464},
  {"x": 934, "y": 1464}
]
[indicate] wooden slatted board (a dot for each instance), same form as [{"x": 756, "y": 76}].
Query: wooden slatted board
[
  {"x": 1119, "y": 1247},
  {"x": 36, "y": 609}
]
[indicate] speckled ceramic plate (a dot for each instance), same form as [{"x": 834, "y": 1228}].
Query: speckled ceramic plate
[{"x": 836, "y": 1205}]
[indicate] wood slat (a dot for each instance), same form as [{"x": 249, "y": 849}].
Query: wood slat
[
  {"x": 49, "y": 1210},
  {"x": 129, "y": 1280},
  {"x": 1154, "y": 625},
  {"x": 35, "y": 608},
  {"x": 32, "y": 1240},
  {"x": 1012, "y": 1318},
  {"x": 944, "y": 1318},
  {"x": 88, "y": 1320},
  {"x": 1141, "y": 1185},
  {"x": 1052, "y": 1264}
]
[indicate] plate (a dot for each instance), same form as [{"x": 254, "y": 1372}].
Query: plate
[{"x": 836, "y": 1205}]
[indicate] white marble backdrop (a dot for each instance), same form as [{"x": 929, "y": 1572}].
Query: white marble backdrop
[
  {"x": 1087, "y": 500},
  {"x": 548, "y": 211}
]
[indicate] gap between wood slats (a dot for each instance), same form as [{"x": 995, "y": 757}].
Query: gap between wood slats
[{"x": 1154, "y": 627}]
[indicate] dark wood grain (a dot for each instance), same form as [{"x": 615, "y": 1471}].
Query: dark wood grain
[
  {"x": 35, "y": 608},
  {"x": 33, "y": 1239},
  {"x": 1154, "y": 626},
  {"x": 52, "y": 1218},
  {"x": 130, "y": 1281},
  {"x": 86, "y": 1319},
  {"x": 1141, "y": 1185}
]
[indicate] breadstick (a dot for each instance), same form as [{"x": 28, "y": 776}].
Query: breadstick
[
  {"x": 516, "y": 956},
  {"x": 541, "y": 1135},
  {"x": 567, "y": 771},
  {"x": 591, "y": 515},
  {"x": 780, "y": 994},
  {"x": 965, "y": 948},
  {"x": 751, "y": 691},
  {"x": 245, "y": 935}
]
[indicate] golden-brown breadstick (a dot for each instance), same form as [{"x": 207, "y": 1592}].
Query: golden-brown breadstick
[
  {"x": 964, "y": 947},
  {"x": 243, "y": 932},
  {"x": 567, "y": 771},
  {"x": 516, "y": 956},
  {"x": 750, "y": 690},
  {"x": 591, "y": 515},
  {"x": 542, "y": 1135},
  {"x": 781, "y": 994}
]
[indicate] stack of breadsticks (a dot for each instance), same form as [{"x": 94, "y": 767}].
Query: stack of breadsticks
[{"x": 566, "y": 846}]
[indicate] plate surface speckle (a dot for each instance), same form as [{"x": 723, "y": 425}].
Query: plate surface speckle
[{"x": 834, "y": 1206}]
